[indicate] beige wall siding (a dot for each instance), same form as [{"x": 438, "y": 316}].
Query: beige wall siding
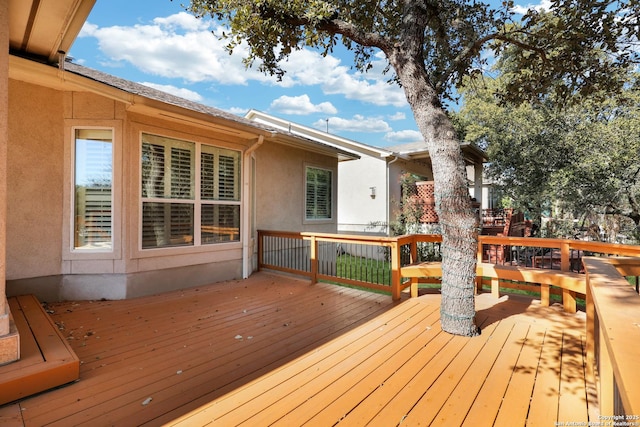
[
  {"x": 280, "y": 192},
  {"x": 39, "y": 255},
  {"x": 34, "y": 181},
  {"x": 85, "y": 105}
]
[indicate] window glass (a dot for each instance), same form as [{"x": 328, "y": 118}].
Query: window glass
[
  {"x": 220, "y": 172},
  {"x": 318, "y": 193},
  {"x": 220, "y": 223},
  {"x": 167, "y": 224},
  {"x": 93, "y": 182},
  {"x": 167, "y": 168},
  {"x": 174, "y": 189}
]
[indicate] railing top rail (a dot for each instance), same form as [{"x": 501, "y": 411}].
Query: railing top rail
[
  {"x": 597, "y": 247},
  {"x": 330, "y": 236},
  {"x": 606, "y": 248},
  {"x": 409, "y": 238},
  {"x": 278, "y": 233},
  {"x": 600, "y": 247},
  {"x": 524, "y": 241},
  {"x": 351, "y": 237}
]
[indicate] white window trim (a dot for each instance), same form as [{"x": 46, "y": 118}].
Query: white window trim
[{"x": 334, "y": 195}]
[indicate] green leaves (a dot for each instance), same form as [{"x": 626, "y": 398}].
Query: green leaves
[
  {"x": 580, "y": 158},
  {"x": 576, "y": 47},
  {"x": 579, "y": 47}
]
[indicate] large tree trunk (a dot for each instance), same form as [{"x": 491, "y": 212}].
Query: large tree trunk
[{"x": 453, "y": 203}]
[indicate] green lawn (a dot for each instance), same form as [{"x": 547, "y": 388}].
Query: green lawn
[{"x": 363, "y": 269}]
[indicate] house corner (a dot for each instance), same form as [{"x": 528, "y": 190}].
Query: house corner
[{"x": 9, "y": 337}]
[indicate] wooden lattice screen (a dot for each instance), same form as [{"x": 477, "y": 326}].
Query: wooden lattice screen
[{"x": 426, "y": 196}]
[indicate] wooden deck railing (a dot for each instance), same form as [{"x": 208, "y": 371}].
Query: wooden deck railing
[
  {"x": 364, "y": 261},
  {"x": 375, "y": 262},
  {"x": 562, "y": 255},
  {"x": 613, "y": 336},
  {"x": 612, "y": 304}
]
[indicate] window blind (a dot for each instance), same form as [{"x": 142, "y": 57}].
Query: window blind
[
  {"x": 318, "y": 193},
  {"x": 171, "y": 194}
]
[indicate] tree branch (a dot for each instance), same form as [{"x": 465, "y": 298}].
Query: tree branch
[
  {"x": 475, "y": 47},
  {"x": 331, "y": 25}
]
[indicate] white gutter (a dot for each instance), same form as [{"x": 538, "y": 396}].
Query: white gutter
[
  {"x": 247, "y": 246},
  {"x": 389, "y": 193}
]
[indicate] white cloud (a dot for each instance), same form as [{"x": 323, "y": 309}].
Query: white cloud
[
  {"x": 403, "y": 136},
  {"x": 543, "y": 5},
  {"x": 357, "y": 124},
  {"x": 398, "y": 116},
  {"x": 183, "y": 47},
  {"x": 307, "y": 67},
  {"x": 301, "y": 105},
  {"x": 177, "y": 91},
  {"x": 88, "y": 30},
  {"x": 178, "y": 46},
  {"x": 183, "y": 20}
]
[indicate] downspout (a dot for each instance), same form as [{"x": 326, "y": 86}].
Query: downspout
[
  {"x": 389, "y": 193},
  {"x": 246, "y": 208}
]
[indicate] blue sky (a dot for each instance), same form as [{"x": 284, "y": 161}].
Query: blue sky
[{"x": 155, "y": 42}]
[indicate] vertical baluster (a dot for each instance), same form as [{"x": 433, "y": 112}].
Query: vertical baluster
[{"x": 297, "y": 253}]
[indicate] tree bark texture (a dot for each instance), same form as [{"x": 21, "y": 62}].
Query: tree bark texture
[{"x": 453, "y": 203}]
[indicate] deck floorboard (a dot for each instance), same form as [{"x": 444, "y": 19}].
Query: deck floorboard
[{"x": 276, "y": 350}]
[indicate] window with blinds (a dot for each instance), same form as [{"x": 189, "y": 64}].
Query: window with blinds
[
  {"x": 319, "y": 187},
  {"x": 93, "y": 183},
  {"x": 188, "y": 203}
]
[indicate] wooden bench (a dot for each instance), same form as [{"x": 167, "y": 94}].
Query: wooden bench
[
  {"x": 46, "y": 358},
  {"x": 570, "y": 283}
]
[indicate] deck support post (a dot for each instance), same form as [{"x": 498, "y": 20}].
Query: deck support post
[
  {"x": 4, "y": 137},
  {"x": 568, "y": 297},
  {"x": 569, "y": 301},
  {"x": 544, "y": 295},
  {"x": 414, "y": 287},
  {"x": 479, "y": 269},
  {"x": 395, "y": 272},
  {"x": 495, "y": 287},
  {"x": 314, "y": 259}
]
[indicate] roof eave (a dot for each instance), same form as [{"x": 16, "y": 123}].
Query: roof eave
[{"x": 38, "y": 73}]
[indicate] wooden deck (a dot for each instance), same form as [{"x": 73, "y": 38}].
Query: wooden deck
[{"x": 276, "y": 350}]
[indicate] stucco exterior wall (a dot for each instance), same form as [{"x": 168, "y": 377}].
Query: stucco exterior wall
[
  {"x": 34, "y": 181},
  {"x": 40, "y": 258},
  {"x": 280, "y": 188}
]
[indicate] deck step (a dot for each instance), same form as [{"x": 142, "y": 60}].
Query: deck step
[{"x": 46, "y": 359}]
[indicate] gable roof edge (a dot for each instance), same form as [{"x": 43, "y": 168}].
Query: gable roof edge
[{"x": 318, "y": 135}]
